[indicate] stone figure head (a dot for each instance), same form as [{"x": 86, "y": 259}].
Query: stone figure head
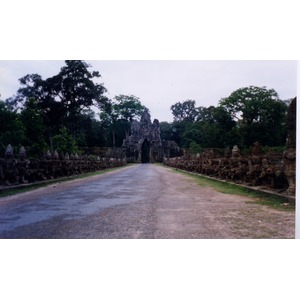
[
  {"x": 9, "y": 151},
  {"x": 22, "y": 153}
]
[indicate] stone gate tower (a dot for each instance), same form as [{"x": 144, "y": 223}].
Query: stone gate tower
[{"x": 144, "y": 145}]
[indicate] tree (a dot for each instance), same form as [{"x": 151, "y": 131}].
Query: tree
[
  {"x": 204, "y": 134},
  {"x": 184, "y": 111},
  {"x": 75, "y": 89},
  {"x": 184, "y": 115},
  {"x": 35, "y": 129},
  {"x": 91, "y": 133},
  {"x": 166, "y": 131},
  {"x": 128, "y": 107},
  {"x": 119, "y": 114},
  {"x": 206, "y": 114},
  {"x": 260, "y": 114},
  {"x": 178, "y": 133},
  {"x": 210, "y": 128},
  {"x": 11, "y": 128},
  {"x": 64, "y": 142},
  {"x": 61, "y": 99},
  {"x": 32, "y": 86}
]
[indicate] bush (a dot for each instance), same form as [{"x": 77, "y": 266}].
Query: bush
[
  {"x": 64, "y": 142},
  {"x": 195, "y": 148}
]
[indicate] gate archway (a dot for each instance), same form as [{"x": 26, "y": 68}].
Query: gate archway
[{"x": 145, "y": 152}]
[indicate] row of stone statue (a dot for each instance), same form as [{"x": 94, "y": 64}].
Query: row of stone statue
[
  {"x": 23, "y": 170},
  {"x": 275, "y": 171}
]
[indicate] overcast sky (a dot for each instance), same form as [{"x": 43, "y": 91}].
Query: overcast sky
[{"x": 161, "y": 83}]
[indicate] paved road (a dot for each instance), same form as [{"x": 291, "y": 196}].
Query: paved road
[{"x": 140, "y": 201}]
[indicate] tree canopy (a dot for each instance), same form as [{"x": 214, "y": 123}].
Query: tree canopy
[
  {"x": 246, "y": 116},
  {"x": 61, "y": 100},
  {"x": 71, "y": 110},
  {"x": 184, "y": 111},
  {"x": 260, "y": 114},
  {"x": 119, "y": 114},
  {"x": 12, "y": 130}
]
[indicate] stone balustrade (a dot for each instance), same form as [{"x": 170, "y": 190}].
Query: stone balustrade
[
  {"x": 22, "y": 170},
  {"x": 267, "y": 170}
]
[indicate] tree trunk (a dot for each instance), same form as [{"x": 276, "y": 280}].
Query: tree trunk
[{"x": 114, "y": 139}]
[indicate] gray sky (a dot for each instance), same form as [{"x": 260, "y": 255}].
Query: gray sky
[{"x": 161, "y": 83}]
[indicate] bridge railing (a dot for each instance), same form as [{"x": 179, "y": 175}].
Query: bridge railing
[
  {"x": 53, "y": 165},
  {"x": 275, "y": 171}
]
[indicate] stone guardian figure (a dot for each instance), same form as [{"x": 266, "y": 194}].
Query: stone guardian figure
[{"x": 289, "y": 155}]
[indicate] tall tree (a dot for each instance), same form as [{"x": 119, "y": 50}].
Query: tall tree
[
  {"x": 75, "y": 88},
  {"x": 206, "y": 114},
  {"x": 123, "y": 109},
  {"x": 166, "y": 131},
  {"x": 212, "y": 127},
  {"x": 184, "y": 115},
  {"x": 91, "y": 133},
  {"x": 184, "y": 111},
  {"x": 62, "y": 98},
  {"x": 12, "y": 130},
  {"x": 35, "y": 128},
  {"x": 64, "y": 142},
  {"x": 32, "y": 86},
  {"x": 260, "y": 114}
]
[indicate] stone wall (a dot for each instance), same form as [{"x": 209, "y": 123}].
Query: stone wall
[
  {"x": 21, "y": 170},
  {"x": 276, "y": 171},
  {"x": 253, "y": 170}
]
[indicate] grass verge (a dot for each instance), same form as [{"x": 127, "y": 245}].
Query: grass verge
[{"x": 259, "y": 197}]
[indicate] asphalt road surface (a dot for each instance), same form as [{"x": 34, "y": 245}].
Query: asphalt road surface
[{"x": 141, "y": 201}]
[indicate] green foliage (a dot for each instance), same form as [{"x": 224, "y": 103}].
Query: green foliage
[
  {"x": 61, "y": 99},
  {"x": 75, "y": 88},
  {"x": 184, "y": 111},
  {"x": 248, "y": 115},
  {"x": 260, "y": 113},
  {"x": 12, "y": 130},
  {"x": 64, "y": 142},
  {"x": 233, "y": 137},
  {"x": 90, "y": 133},
  {"x": 128, "y": 107},
  {"x": 207, "y": 135},
  {"x": 43, "y": 106},
  {"x": 213, "y": 128},
  {"x": 195, "y": 148},
  {"x": 58, "y": 111},
  {"x": 35, "y": 129},
  {"x": 166, "y": 131},
  {"x": 179, "y": 130},
  {"x": 118, "y": 115}
]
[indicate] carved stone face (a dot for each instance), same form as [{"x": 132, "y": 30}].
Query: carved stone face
[
  {"x": 22, "y": 153},
  {"x": 8, "y": 155},
  {"x": 9, "y": 151},
  {"x": 146, "y": 130},
  {"x": 48, "y": 155},
  {"x": 22, "y": 156}
]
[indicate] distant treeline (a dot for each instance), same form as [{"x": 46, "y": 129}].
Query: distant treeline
[{"x": 70, "y": 111}]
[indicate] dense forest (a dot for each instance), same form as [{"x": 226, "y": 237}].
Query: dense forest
[{"x": 70, "y": 111}]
